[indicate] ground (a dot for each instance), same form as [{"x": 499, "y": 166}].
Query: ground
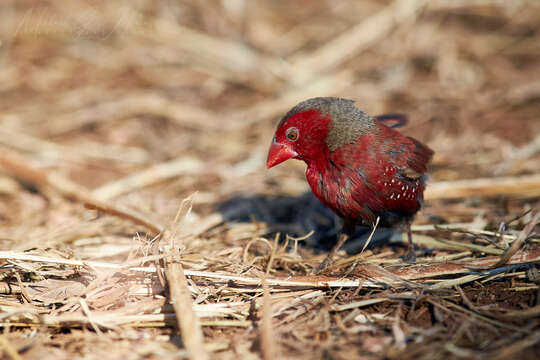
[{"x": 138, "y": 220}]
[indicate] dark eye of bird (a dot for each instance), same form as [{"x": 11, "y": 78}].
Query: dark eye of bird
[{"x": 292, "y": 134}]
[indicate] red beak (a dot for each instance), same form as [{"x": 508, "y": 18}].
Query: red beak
[{"x": 279, "y": 153}]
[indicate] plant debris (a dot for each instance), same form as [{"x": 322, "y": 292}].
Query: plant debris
[{"x": 137, "y": 219}]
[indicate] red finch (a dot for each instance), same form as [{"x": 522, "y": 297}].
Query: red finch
[{"x": 357, "y": 165}]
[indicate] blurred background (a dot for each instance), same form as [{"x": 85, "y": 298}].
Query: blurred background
[
  {"x": 142, "y": 103},
  {"x": 100, "y": 90},
  {"x": 125, "y": 85}
]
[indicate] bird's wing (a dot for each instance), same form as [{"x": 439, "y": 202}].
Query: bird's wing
[
  {"x": 383, "y": 171},
  {"x": 352, "y": 169},
  {"x": 414, "y": 162}
]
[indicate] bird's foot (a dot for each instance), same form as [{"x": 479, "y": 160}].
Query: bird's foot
[
  {"x": 323, "y": 265},
  {"x": 410, "y": 257}
]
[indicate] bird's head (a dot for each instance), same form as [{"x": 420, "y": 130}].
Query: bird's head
[
  {"x": 299, "y": 136},
  {"x": 314, "y": 127}
]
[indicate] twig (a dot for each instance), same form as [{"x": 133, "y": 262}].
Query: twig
[
  {"x": 307, "y": 281},
  {"x": 355, "y": 40},
  {"x": 86, "y": 311},
  {"x": 430, "y": 271},
  {"x": 11, "y": 255},
  {"x": 523, "y": 235},
  {"x": 152, "y": 175},
  {"x": 516, "y": 186},
  {"x": 267, "y": 333},
  {"x": 124, "y": 213},
  {"x": 358, "y": 304},
  {"x": 27, "y": 143},
  {"x": 134, "y": 104},
  {"x": 371, "y": 235},
  {"x": 407, "y": 273},
  {"x": 188, "y": 321},
  {"x": 216, "y": 56},
  {"x": 23, "y": 290},
  {"x": 428, "y": 241},
  {"x": 144, "y": 321},
  {"x": 20, "y": 168},
  {"x": 272, "y": 255},
  {"x": 399, "y": 335}
]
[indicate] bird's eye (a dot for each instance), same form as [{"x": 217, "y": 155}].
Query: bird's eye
[{"x": 292, "y": 134}]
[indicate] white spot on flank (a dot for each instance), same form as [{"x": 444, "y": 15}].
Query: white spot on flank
[{"x": 398, "y": 195}]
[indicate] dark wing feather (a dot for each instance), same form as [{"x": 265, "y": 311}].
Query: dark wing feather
[
  {"x": 417, "y": 159},
  {"x": 393, "y": 120}
]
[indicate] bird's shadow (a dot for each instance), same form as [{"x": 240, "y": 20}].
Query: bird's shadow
[{"x": 297, "y": 216}]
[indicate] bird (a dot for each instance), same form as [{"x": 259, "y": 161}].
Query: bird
[{"x": 358, "y": 165}]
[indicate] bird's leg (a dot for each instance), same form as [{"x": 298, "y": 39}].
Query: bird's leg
[
  {"x": 410, "y": 257},
  {"x": 346, "y": 232}
]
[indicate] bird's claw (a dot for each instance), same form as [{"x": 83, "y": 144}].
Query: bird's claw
[
  {"x": 410, "y": 257},
  {"x": 323, "y": 265}
]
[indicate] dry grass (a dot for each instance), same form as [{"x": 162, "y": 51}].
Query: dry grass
[{"x": 123, "y": 127}]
